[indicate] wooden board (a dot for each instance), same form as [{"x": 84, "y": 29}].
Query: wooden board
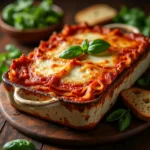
[{"x": 52, "y": 133}]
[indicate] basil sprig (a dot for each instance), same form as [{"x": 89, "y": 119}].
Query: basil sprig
[
  {"x": 121, "y": 115},
  {"x": 94, "y": 47}
]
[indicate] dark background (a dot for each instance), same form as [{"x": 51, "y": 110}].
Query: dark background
[{"x": 70, "y": 7}]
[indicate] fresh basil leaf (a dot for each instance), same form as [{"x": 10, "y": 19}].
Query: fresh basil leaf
[
  {"x": 72, "y": 52},
  {"x": 19, "y": 144},
  {"x": 52, "y": 20},
  {"x": 97, "y": 46},
  {"x": 147, "y": 21},
  {"x": 13, "y": 51},
  {"x": 120, "y": 17},
  {"x": 146, "y": 31},
  {"x": 97, "y": 41},
  {"x": 7, "y": 13},
  {"x": 85, "y": 45},
  {"x": 1, "y": 76},
  {"x": 22, "y": 4},
  {"x": 38, "y": 13},
  {"x": 116, "y": 115},
  {"x": 46, "y": 5},
  {"x": 14, "y": 54},
  {"x": 125, "y": 121},
  {"x": 10, "y": 47},
  {"x": 144, "y": 81},
  {"x": 3, "y": 57},
  {"x": 1, "y": 72},
  {"x": 3, "y": 68},
  {"x": 24, "y": 20},
  {"x": 123, "y": 11}
]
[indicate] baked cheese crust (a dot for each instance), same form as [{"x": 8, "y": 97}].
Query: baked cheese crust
[{"x": 82, "y": 78}]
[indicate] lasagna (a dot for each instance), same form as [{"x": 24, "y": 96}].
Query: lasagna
[{"x": 78, "y": 79}]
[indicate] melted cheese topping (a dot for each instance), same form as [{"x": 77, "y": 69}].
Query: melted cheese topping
[
  {"x": 80, "y": 74},
  {"x": 77, "y": 74},
  {"x": 106, "y": 59},
  {"x": 81, "y": 78},
  {"x": 48, "y": 67},
  {"x": 120, "y": 42},
  {"x": 89, "y": 36},
  {"x": 56, "y": 53},
  {"x": 83, "y": 73}
]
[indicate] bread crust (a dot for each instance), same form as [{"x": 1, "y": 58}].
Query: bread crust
[
  {"x": 96, "y": 14},
  {"x": 129, "y": 104}
]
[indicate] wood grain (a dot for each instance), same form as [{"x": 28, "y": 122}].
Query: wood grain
[
  {"x": 2, "y": 122},
  {"x": 138, "y": 142},
  {"x": 9, "y": 133}
]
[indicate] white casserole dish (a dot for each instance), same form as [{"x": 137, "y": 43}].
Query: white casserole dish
[{"x": 73, "y": 114}]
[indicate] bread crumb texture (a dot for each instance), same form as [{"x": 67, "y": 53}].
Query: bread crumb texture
[
  {"x": 96, "y": 14},
  {"x": 138, "y": 98}
]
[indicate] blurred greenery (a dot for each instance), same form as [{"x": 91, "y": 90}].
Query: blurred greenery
[
  {"x": 23, "y": 14},
  {"x": 135, "y": 17},
  {"x": 6, "y": 58}
]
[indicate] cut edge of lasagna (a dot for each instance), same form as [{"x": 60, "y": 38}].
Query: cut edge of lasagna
[{"x": 83, "y": 78}]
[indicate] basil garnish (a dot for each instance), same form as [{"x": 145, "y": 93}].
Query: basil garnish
[
  {"x": 85, "y": 45},
  {"x": 123, "y": 116},
  {"x": 94, "y": 47},
  {"x": 98, "y": 46},
  {"x": 71, "y": 52},
  {"x": 125, "y": 121}
]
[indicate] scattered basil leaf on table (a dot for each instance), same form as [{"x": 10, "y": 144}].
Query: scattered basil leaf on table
[
  {"x": 123, "y": 117},
  {"x": 6, "y": 58},
  {"x": 116, "y": 115},
  {"x": 144, "y": 81},
  {"x": 19, "y": 144},
  {"x": 124, "y": 121},
  {"x": 94, "y": 47}
]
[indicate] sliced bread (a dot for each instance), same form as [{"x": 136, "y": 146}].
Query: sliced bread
[
  {"x": 96, "y": 14},
  {"x": 139, "y": 102}
]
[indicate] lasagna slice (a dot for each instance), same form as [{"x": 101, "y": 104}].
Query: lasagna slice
[{"x": 83, "y": 78}]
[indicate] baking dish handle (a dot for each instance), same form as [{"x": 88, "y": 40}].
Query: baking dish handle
[
  {"x": 21, "y": 100},
  {"x": 125, "y": 27}
]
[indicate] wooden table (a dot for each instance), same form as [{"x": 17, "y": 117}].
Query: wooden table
[{"x": 7, "y": 133}]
